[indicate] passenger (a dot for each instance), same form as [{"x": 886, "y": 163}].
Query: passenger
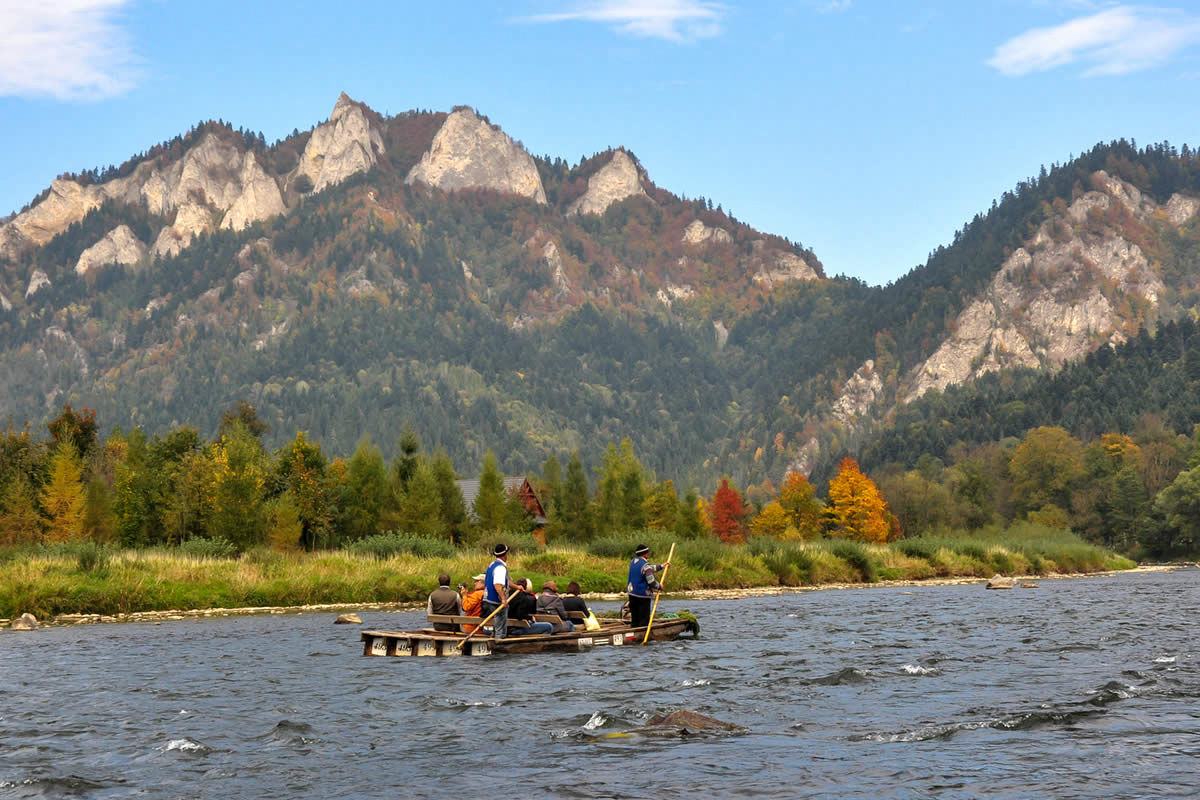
[
  {"x": 523, "y": 605},
  {"x": 572, "y": 601},
  {"x": 444, "y": 600},
  {"x": 548, "y": 602},
  {"x": 472, "y": 601},
  {"x": 642, "y": 586},
  {"x": 497, "y": 585}
]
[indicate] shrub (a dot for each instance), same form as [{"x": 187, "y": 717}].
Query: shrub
[
  {"x": 857, "y": 557},
  {"x": 208, "y": 548},
  {"x": 547, "y": 563},
  {"x": 386, "y": 545},
  {"x": 92, "y": 557}
]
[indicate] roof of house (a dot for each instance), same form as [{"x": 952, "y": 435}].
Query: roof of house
[{"x": 512, "y": 485}]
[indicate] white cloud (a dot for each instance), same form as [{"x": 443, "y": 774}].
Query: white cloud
[
  {"x": 835, "y": 7},
  {"x": 1115, "y": 41},
  {"x": 67, "y": 49},
  {"x": 673, "y": 20}
]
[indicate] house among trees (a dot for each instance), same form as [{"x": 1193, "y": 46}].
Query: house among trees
[{"x": 517, "y": 488}]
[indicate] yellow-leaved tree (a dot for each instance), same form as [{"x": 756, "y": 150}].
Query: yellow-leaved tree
[
  {"x": 859, "y": 511},
  {"x": 63, "y": 496}
]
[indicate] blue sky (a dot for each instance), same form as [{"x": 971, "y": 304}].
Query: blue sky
[{"x": 869, "y": 131}]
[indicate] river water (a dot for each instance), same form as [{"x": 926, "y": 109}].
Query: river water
[{"x": 1079, "y": 688}]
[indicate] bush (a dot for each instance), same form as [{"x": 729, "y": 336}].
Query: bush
[
  {"x": 386, "y": 545},
  {"x": 217, "y": 548},
  {"x": 856, "y": 556},
  {"x": 547, "y": 563},
  {"x": 92, "y": 557}
]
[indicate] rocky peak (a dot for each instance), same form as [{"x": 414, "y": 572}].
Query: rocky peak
[
  {"x": 345, "y": 145},
  {"x": 1083, "y": 280},
  {"x": 260, "y": 197},
  {"x": 468, "y": 153},
  {"x": 784, "y": 268},
  {"x": 617, "y": 180},
  {"x": 119, "y": 246},
  {"x": 37, "y": 280}
]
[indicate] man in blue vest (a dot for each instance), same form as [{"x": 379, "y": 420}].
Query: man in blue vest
[
  {"x": 642, "y": 585},
  {"x": 497, "y": 583}
]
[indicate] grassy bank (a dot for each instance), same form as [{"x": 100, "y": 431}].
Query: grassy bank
[{"x": 90, "y": 580}]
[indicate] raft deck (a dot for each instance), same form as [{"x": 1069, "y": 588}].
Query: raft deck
[{"x": 444, "y": 643}]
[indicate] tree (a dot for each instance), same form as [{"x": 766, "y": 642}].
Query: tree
[
  {"x": 77, "y": 429},
  {"x": 451, "y": 507},
  {"x": 661, "y": 507},
  {"x": 364, "y": 493},
  {"x": 245, "y": 415},
  {"x": 1179, "y": 503},
  {"x": 772, "y": 521},
  {"x": 63, "y": 496},
  {"x": 20, "y": 521},
  {"x": 577, "y": 521},
  {"x": 1045, "y": 467},
  {"x": 490, "y": 514},
  {"x": 420, "y": 512},
  {"x": 800, "y": 504},
  {"x": 285, "y": 530},
  {"x": 728, "y": 514},
  {"x": 858, "y": 510},
  {"x": 300, "y": 470},
  {"x": 690, "y": 524},
  {"x": 240, "y": 476},
  {"x": 405, "y": 463}
]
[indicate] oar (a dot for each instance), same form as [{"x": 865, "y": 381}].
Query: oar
[
  {"x": 654, "y": 607},
  {"x": 488, "y": 619}
]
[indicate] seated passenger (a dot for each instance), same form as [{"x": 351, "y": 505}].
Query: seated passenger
[
  {"x": 572, "y": 601},
  {"x": 472, "y": 601},
  {"x": 548, "y": 602},
  {"x": 523, "y": 605},
  {"x": 444, "y": 600}
]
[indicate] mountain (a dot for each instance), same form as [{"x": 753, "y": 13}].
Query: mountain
[{"x": 426, "y": 269}]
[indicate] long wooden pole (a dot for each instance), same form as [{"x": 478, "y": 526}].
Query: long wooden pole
[
  {"x": 486, "y": 620},
  {"x": 661, "y": 584}
]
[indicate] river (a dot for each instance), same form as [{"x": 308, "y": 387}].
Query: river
[{"x": 1079, "y": 688}]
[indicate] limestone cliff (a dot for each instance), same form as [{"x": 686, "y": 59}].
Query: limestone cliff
[
  {"x": 119, "y": 246},
  {"x": 784, "y": 268},
  {"x": 1071, "y": 288},
  {"x": 617, "y": 180},
  {"x": 468, "y": 153},
  {"x": 190, "y": 219},
  {"x": 260, "y": 197},
  {"x": 698, "y": 233},
  {"x": 345, "y": 145}
]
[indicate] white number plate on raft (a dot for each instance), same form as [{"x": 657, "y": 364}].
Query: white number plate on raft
[
  {"x": 379, "y": 646},
  {"x": 403, "y": 648},
  {"x": 585, "y": 642},
  {"x": 618, "y": 639},
  {"x": 426, "y": 648}
]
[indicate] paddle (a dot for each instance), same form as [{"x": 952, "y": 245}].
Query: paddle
[
  {"x": 654, "y": 607},
  {"x": 486, "y": 620}
]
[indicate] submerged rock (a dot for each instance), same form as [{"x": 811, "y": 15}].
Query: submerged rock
[
  {"x": 1000, "y": 583},
  {"x": 348, "y": 619},
  {"x": 25, "y": 622},
  {"x": 685, "y": 723}
]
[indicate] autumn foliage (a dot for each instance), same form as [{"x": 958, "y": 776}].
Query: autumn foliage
[
  {"x": 858, "y": 510},
  {"x": 728, "y": 514}
]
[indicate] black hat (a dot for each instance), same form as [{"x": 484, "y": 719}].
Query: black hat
[
  {"x": 641, "y": 550},
  {"x": 500, "y": 550}
]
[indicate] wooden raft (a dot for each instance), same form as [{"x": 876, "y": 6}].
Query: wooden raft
[{"x": 430, "y": 642}]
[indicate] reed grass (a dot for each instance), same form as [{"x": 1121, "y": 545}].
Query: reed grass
[{"x": 98, "y": 580}]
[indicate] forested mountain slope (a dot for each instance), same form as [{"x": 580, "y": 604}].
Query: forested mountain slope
[{"x": 424, "y": 268}]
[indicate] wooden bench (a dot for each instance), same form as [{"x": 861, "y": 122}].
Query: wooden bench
[{"x": 452, "y": 619}]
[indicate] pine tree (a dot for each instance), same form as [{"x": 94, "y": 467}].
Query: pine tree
[
  {"x": 577, "y": 522},
  {"x": 489, "y": 508},
  {"x": 451, "y": 508}
]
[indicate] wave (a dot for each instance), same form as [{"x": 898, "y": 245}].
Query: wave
[
  {"x": 917, "y": 669},
  {"x": 695, "y": 682},
  {"x": 843, "y": 677},
  {"x": 454, "y": 704},
  {"x": 186, "y": 745},
  {"x": 1115, "y": 690},
  {"x": 1165, "y": 660},
  {"x": 1023, "y": 721},
  {"x": 598, "y": 720}
]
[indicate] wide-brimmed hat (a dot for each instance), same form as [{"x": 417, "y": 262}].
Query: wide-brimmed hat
[
  {"x": 641, "y": 550},
  {"x": 500, "y": 550},
  {"x": 480, "y": 577}
]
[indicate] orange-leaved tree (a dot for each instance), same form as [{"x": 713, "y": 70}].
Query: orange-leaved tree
[
  {"x": 727, "y": 514},
  {"x": 859, "y": 511}
]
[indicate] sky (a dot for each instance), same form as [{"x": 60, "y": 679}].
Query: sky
[{"x": 867, "y": 131}]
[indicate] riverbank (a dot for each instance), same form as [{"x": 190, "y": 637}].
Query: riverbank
[
  {"x": 158, "y": 617},
  {"x": 118, "y": 585}
]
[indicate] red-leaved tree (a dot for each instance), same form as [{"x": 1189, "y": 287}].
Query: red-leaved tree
[{"x": 728, "y": 514}]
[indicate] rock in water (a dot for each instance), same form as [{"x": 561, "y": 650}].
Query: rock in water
[
  {"x": 999, "y": 583},
  {"x": 348, "y": 619},
  {"x": 25, "y": 622},
  {"x": 685, "y": 723}
]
